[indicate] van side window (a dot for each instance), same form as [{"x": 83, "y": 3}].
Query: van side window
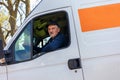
[
  {"x": 23, "y": 45},
  {"x": 50, "y": 32}
]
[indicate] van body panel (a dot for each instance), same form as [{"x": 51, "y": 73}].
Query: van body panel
[
  {"x": 99, "y": 48},
  {"x": 102, "y": 68},
  {"x": 51, "y": 64},
  {"x": 3, "y": 73},
  {"x": 94, "y": 30}
]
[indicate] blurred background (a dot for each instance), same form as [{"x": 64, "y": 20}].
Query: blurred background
[{"x": 12, "y": 14}]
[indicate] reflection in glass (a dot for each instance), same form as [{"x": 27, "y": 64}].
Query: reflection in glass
[{"x": 23, "y": 45}]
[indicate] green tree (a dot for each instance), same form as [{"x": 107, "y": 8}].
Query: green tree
[
  {"x": 3, "y": 19},
  {"x": 13, "y": 8}
]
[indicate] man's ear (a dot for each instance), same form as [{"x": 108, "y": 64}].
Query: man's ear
[{"x": 59, "y": 29}]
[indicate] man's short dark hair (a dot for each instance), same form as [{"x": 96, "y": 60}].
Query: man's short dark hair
[{"x": 53, "y": 23}]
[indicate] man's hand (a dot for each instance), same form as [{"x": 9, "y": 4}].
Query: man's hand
[{"x": 2, "y": 60}]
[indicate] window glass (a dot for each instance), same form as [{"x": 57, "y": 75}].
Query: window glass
[
  {"x": 50, "y": 32},
  {"x": 23, "y": 45}
]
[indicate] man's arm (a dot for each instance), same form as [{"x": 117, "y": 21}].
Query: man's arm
[{"x": 54, "y": 44}]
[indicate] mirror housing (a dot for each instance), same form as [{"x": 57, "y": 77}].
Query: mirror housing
[
  {"x": 1, "y": 49},
  {"x": 2, "y": 56}
]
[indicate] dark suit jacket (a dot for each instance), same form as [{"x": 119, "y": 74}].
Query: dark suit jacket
[{"x": 56, "y": 43}]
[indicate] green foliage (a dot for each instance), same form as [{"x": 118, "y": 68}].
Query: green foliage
[
  {"x": 40, "y": 29},
  {"x": 3, "y": 17}
]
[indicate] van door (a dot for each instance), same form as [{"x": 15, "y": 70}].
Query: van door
[
  {"x": 60, "y": 64},
  {"x": 3, "y": 73}
]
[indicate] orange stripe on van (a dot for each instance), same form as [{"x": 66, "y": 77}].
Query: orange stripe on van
[{"x": 100, "y": 17}]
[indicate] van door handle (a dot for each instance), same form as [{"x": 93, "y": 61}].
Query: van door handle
[{"x": 74, "y": 63}]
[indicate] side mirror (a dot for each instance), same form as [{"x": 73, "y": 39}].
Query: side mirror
[
  {"x": 2, "y": 56},
  {"x": 1, "y": 49}
]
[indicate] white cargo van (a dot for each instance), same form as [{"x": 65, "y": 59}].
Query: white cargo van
[{"x": 92, "y": 52}]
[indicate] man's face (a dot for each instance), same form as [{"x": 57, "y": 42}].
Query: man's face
[{"x": 53, "y": 30}]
